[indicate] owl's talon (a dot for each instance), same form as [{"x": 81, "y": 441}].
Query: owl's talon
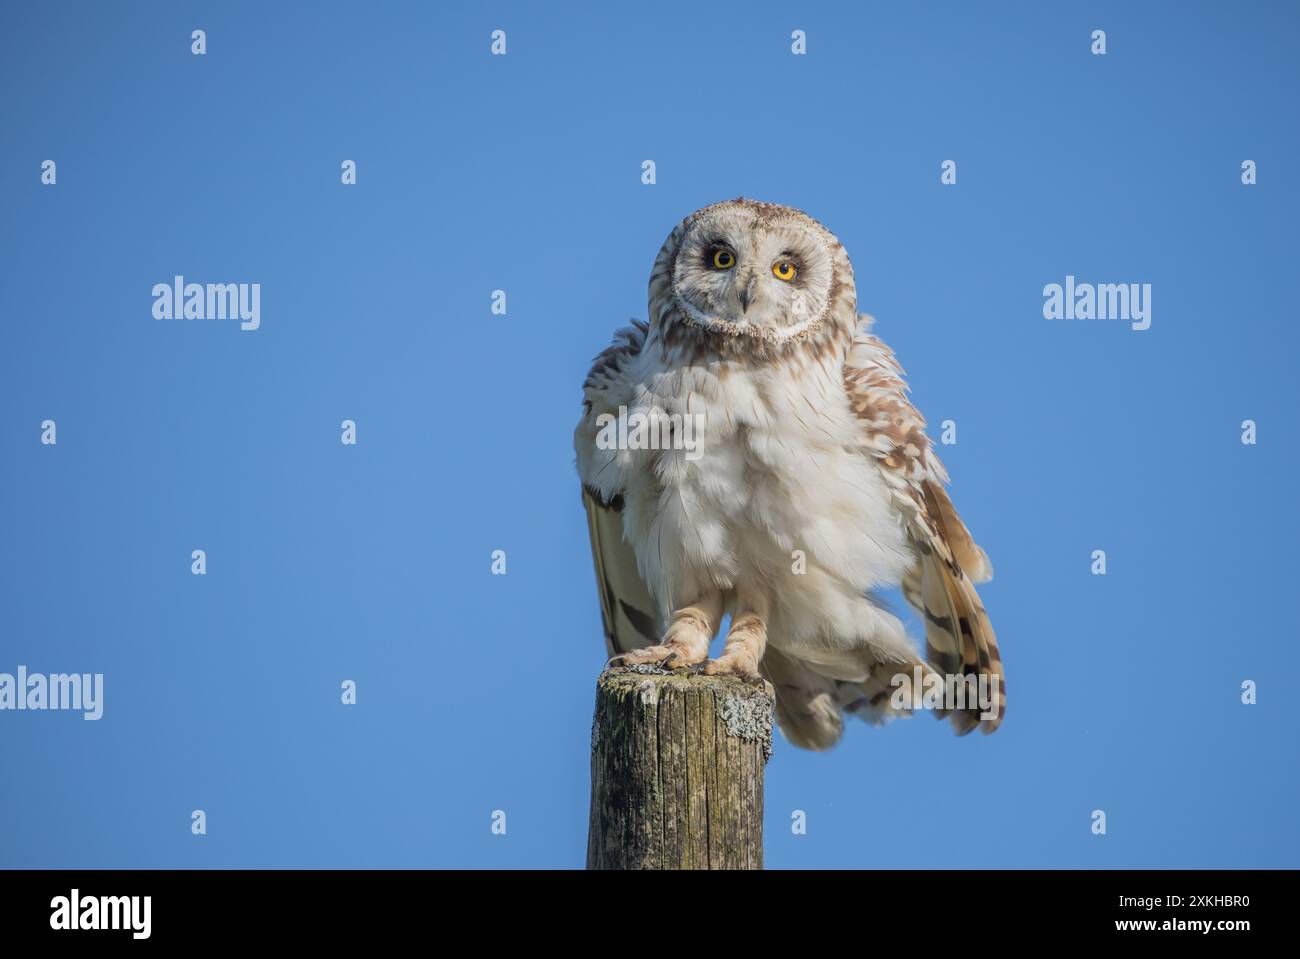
[
  {"x": 668, "y": 656},
  {"x": 768, "y": 689},
  {"x": 733, "y": 666}
]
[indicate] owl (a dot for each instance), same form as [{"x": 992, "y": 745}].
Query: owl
[{"x": 751, "y": 452}]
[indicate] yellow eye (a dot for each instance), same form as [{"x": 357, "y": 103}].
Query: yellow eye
[
  {"x": 723, "y": 259},
  {"x": 783, "y": 270}
]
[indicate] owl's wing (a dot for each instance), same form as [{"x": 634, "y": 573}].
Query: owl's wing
[
  {"x": 630, "y": 615},
  {"x": 625, "y": 604},
  {"x": 941, "y": 585}
]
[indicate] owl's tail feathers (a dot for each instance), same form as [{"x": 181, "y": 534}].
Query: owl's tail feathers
[
  {"x": 887, "y": 692},
  {"x": 960, "y": 645},
  {"x": 807, "y": 703},
  {"x": 810, "y": 706}
]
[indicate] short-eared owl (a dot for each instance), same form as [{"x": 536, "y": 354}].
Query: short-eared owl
[{"x": 751, "y": 450}]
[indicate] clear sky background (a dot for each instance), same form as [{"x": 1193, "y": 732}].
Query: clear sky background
[{"x": 523, "y": 173}]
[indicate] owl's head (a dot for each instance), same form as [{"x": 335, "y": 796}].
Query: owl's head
[{"x": 754, "y": 270}]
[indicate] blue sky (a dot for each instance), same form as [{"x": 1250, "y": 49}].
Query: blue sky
[{"x": 371, "y": 562}]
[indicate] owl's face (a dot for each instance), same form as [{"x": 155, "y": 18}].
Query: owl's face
[{"x": 746, "y": 270}]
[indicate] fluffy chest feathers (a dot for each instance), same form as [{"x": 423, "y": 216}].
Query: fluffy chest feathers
[{"x": 766, "y": 473}]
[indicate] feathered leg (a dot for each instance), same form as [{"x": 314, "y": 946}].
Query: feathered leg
[{"x": 746, "y": 639}]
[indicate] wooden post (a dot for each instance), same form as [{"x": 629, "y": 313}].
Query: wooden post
[{"x": 677, "y": 771}]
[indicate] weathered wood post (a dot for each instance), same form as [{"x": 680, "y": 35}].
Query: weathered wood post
[{"x": 677, "y": 771}]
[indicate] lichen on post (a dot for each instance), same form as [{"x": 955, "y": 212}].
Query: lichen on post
[{"x": 677, "y": 771}]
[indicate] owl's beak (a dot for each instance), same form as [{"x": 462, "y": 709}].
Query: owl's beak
[{"x": 747, "y": 293}]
